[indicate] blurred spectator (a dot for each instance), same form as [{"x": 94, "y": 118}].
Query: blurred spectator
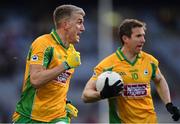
[{"x": 8, "y": 55}]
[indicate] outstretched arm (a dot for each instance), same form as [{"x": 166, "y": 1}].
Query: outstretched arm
[
  {"x": 163, "y": 91},
  {"x": 162, "y": 87}
]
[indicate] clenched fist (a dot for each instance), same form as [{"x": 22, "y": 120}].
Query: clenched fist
[{"x": 73, "y": 58}]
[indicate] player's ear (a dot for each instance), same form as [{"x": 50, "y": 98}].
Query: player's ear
[
  {"x": 64, "y": 24},
  {"x": 124, "y": 38}
]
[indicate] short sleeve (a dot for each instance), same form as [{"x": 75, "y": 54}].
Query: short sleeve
[
  {"x": 154, "y": 65},
  {"x": 97, "y": 71},
  {"x": 103, "y": 66},
  {"x": 41, "y": 53}
]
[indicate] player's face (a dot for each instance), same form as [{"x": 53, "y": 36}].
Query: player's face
[
  {"x": 137, "y": 40},
  {"x": 76, "y": 27}
]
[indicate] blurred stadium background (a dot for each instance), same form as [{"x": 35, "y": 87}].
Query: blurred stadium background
[{"x": 22, "y": 21}]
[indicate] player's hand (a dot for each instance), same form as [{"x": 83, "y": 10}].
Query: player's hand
[
  {"x": 111, "y": 91},
  {"x": 71, "y": 110},
  {"x": 73, "y": 58},
  {"x": 173, "y": 110}
]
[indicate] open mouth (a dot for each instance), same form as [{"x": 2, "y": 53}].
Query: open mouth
[
  {"x": 139, "y": 46},
  {"x": 78, "y": 36}
]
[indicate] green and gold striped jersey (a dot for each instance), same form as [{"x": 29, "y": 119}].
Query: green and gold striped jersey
[
  {"x": 135, "y": 104},
  {"x": 47, "y": 102}
]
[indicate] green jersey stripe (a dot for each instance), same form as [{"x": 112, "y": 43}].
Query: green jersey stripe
[
  {"x": 28, "y": 98},
  {"x": 113, "y": 116},
  {"x": 154, "y": 67},
  {"x": 48, "y": 55}
]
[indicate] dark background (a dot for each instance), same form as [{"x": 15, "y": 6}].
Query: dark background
[{"x": 22, "y": 21}]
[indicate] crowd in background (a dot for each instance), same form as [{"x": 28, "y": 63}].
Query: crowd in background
[{"x": 21, "y": 24}]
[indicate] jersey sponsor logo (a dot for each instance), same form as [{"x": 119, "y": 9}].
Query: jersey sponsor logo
[
  {"x": 34, "y": 58},
  {"x": 135, "y": 90},
  {"x": 63, "y": 77}
]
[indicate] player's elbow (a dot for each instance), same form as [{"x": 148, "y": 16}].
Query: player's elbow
[
  {"x": 89, "y": 98},
  {"x": 84, "y": 97},
  {"x": 35, "y": 82}
]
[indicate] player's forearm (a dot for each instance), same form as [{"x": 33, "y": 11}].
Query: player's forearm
[
  {"x": 89, "y": 96},
  {"x": 163, "y": 90},
  {"x": 39, "y": 78}
]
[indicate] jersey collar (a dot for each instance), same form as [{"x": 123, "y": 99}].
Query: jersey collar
[
  {"x": 57, "y": 38},
  {"x": 122, "y": 57}
]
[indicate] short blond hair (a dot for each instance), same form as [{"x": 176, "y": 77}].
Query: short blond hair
[{"x": 65, "y": 12}]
